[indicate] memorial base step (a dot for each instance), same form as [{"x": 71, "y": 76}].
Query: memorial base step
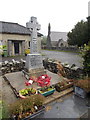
[{"x": 34, "y": 72}]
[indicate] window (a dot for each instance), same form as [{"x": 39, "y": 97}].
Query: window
[{"x": 29, "y": 44}]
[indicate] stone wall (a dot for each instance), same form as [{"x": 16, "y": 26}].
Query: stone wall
[{"x": 63, "y": 48}]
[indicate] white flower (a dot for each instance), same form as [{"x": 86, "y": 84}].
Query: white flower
[
  {"x": 43, "y": 77},
  {"x": 30, "y": 81},
  {"x": 36, "y": 107}
]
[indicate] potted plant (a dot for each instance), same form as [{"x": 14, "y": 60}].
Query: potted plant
[
  {"x": 82, "y": 87},
  {"x": 27, "y": 108},
  {"x": 24, "y": 93},
  {"x": 62, "y": 85},
  {"x": 44, "y": 82},
  {"x": 45, "y": 91}
]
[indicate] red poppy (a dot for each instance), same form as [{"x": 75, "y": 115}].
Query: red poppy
[
  {"x": 27, "y": 83},
  {"x": 43, "y": 80}
]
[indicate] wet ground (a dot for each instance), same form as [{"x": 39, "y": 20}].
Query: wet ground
[{"x": 70, "y": 106}]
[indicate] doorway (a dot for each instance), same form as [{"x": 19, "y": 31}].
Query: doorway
[{"x": 16, "y": 47}]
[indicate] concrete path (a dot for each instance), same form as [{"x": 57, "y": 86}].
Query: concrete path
[{"x": 69, "y": 106}]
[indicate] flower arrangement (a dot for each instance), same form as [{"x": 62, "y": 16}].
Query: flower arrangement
[
  {"x": 30, "y": 81},
  {"x": 43, "y": 80},
  {"x": 27, "y": 92}
]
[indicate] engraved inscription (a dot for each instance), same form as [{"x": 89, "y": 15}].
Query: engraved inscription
[{"x": 36, "y": 60}]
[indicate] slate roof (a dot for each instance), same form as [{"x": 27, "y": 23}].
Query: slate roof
[
  {"x": 14, "y": 28},
  {"x": 55, "y": 36}
]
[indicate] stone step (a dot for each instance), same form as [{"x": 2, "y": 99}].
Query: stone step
[{"x": 57, "y": 95}]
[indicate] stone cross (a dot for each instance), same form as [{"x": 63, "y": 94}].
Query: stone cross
[{"x": 34, "y": 27}]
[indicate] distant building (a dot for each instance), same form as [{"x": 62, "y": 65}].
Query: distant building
[
  {"x": 16, "y": 38},
  {"x": 59, "y": 39}
]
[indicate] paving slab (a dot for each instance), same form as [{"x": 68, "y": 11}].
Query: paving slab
[
  {"x": 57, "y": 95},
  {"x": 55, "y": 78},
  {"x": 69, "y": 106},
  {"x": 7, "y": 94},
  {"x": 62, "y": 93},
  {"x": 17, "y": 80}
]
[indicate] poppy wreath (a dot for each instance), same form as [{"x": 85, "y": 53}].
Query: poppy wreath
[{"x": 43, "y": 80}]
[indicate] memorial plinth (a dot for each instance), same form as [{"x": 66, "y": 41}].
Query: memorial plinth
[
  {"x": 34, "y": 65},
  {"x": 33, "y": 61}
]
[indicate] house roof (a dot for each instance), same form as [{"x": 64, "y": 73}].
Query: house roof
[
  {"x": 14, "y": 28},
  {"x": 56, "y": 36}
]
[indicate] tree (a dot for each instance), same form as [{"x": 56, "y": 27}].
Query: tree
[
  {"x": 43, "y": 41},
  {"x": 88, "y": 18},
  {"x": 79, "y": 34},
  {"x": 86, "y": 59},
  {"x": 48, "y": 44}
]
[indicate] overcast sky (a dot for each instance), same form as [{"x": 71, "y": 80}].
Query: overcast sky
[{"x": 62, "y": 14}]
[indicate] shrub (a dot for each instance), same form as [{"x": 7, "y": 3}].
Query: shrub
[
  {"x": 86, "y": 59},
  {"x": 21, "y": 106},
  {"x": 38, "y": 100},
  {"x": 84, "y": 84},
  {"x": 3, "y": 110}
]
